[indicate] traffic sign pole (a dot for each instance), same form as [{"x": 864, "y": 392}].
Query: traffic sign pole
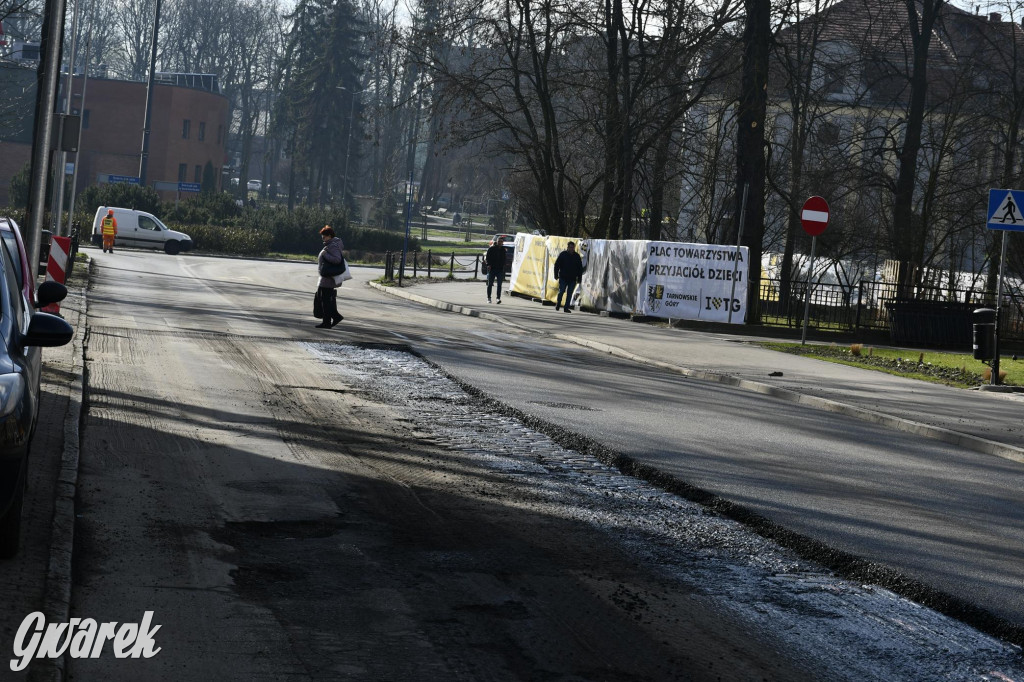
[
  {"x": 814, "y": 217},
  {"x": 994, "y": 379},
  {"x": 1004, "y": 214},
  {"x": 807, "y": 293}
]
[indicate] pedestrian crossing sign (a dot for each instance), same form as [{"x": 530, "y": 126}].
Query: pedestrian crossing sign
[{"x": 1005, "y": 209}]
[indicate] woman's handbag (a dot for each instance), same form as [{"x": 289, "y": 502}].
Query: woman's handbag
[
  {"x": 332, "y": 269},
  {"x": 318, "y": 305}
]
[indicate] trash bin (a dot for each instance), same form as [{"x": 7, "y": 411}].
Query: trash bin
[{"x": 984, "y": 333}]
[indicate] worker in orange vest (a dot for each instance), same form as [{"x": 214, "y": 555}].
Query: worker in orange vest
[{"x": 108, "y": 226}]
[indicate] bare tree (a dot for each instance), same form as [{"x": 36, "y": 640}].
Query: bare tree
[{"x": 131, "y": 21}]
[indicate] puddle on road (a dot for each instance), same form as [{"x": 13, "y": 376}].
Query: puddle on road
[{"x": 858, "y": 631}]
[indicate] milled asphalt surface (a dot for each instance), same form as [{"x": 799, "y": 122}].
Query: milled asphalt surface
[{"x": 987, "y": 422}]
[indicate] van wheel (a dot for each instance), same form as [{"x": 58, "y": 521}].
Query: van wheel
[
  {"x": 172, "y": 248},
  {"x": 10, "y": 526}
]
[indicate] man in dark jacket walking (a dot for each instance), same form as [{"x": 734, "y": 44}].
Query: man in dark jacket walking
[
  {"x": 568, "y": 271},
  {"x": 495, "y": 260}
]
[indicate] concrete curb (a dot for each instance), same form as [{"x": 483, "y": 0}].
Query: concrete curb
[
  {"x": 57, "y": 596},
  {"x": 449, "y": 307},
  {"x": 968, "y": 442}
]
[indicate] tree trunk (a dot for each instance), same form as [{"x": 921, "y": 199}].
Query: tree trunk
[
  {"x": 750, "y": 161},
  {"x": 657, "y": 211},
  {"x": 908, "y": 235},
  {"x": 611, "y": 123},
  {"x": 793, "y": 218}
]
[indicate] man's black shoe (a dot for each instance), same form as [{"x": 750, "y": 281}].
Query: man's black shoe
[
  {"x": 340, "y": 318},
  {"x": 567, "y": 310},
  {"x": 324, "y": 325}
]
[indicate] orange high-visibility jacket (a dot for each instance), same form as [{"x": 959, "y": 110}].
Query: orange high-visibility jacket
[{"x": 109, "y": 226}]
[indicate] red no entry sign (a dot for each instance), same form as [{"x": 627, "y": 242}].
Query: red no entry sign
[{"x": 814, "y": 216}]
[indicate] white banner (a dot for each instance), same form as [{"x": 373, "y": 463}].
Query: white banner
[
  {"x": 694, "y": 282},
  {"x": 613, "y": 268}
]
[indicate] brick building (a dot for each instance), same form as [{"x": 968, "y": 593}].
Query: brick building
[{"x": 189, "y": 124}]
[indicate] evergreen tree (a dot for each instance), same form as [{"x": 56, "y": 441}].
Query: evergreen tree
[{"x": 320, "y": 75}]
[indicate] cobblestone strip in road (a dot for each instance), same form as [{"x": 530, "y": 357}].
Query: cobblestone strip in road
[{"x": 860, "y": 631}]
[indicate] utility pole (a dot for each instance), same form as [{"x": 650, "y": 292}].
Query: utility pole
[
  {"x": 144, "y": 156},
  {"x": 413, "y": 134},
  {"x": 42, "y": 134},
  {"x": 81, "y": 114},
  {"x": 61, "y": 175}
]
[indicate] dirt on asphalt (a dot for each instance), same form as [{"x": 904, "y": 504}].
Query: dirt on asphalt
[{"x": 282, "y": 524}]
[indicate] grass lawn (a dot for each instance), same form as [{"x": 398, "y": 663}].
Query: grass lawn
[
  {"x": 292, "y": 256},
  {"x": 953, "y": 369}
]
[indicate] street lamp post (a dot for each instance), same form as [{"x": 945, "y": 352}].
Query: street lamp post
[
  {"x": 348, "y": 148},
  {"x": 144, "y": 154}
]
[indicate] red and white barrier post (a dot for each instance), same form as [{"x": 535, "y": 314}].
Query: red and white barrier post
[{"x": 57, "y": 266}]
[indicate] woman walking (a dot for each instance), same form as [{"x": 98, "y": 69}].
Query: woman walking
[{"x": 328, "y": 289}]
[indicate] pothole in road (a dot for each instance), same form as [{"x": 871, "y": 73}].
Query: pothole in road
[{"x": 857, "y": 631}]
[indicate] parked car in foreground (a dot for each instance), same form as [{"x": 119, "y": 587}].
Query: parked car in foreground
[
  {"x": 23, "y": 331},
  {"x": 11, "y": 235},
  {"x": 140, "y": 229}
]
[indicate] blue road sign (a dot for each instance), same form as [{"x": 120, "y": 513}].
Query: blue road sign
[
  {"x": 131, "y": 180},
  {"x": 189, "y": 187},
  {"x": 1005, "y": 210}
]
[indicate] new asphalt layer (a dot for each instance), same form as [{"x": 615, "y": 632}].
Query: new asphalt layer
[{"x": 983, "y": 421}]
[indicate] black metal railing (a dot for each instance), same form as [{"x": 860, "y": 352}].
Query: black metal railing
[{"x": 925, "y": 312}]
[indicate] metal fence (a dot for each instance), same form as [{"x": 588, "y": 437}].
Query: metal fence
[
  {"x": 429, "y": 264},
  {"x": 929, "y": 315}
]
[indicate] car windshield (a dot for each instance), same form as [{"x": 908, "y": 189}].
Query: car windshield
[{"x": 11, "y": 242}]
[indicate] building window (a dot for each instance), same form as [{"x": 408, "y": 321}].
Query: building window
[
  {"x": 202, "y": 130},
  {"x": 186, "y": 129},
  {"x": 199, "y": 173},
  {"x": 182, "y": 172},
  {"x": 85, "y": 119}
]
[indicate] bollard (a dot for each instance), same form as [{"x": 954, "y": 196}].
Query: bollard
[
  {"x": 476, "y": 265},
  {"x": 451, "y": 267},
  {"x": 415, "y": 262},
  {"x": 430, "y": 257},
  {"x": 74, "y": 248}
]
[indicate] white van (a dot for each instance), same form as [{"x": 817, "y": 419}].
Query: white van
[{"x": 140, "y": 229}]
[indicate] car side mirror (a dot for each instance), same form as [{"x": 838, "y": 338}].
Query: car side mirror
[
  {"x": 50, "y": 292},
  {"x": 47, "y": 330}
]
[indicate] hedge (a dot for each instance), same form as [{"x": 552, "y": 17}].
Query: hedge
[{"x": 237, "y": 241}]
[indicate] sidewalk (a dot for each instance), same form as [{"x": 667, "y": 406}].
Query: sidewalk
[
  {"x": 986, "y": 422},
  {"x": 39, "y": 578}
]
